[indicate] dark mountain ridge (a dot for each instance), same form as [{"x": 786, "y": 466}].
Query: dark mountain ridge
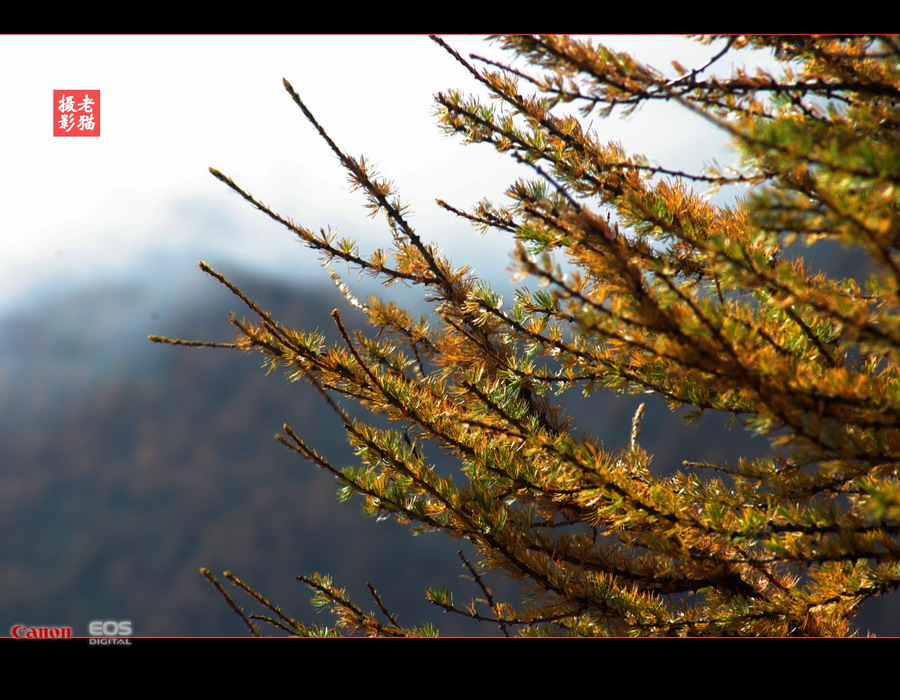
[{"x": 126, "y": 465}]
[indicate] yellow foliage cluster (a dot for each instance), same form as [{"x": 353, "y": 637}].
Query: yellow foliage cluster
[{"x": 662, "y": 292}]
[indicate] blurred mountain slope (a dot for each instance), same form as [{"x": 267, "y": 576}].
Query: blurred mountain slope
[{"x": 126, "y": 465}]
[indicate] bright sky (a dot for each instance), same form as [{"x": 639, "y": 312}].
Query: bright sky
[{"x": 77, "y": 209}]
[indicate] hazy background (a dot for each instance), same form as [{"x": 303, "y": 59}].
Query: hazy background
[{"x": 124, "y": 466}]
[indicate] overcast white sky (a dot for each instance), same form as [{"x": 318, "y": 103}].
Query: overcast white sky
[{"x": 78, "y": 209}]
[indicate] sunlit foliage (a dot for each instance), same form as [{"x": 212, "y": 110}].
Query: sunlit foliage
[{"x": 639, "y": 283}]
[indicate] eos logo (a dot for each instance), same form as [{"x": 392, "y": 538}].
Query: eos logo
[
  {"x": 109, "y": 628},
  {"x": 104, "y": 630}
]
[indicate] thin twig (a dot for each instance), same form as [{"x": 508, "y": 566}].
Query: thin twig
[
  {"x": 483, "y": 586},
  {"x": 261, "y": 599},
  {"x": 207, "y": 574},
  {"x": 387, "y": 613},
  {"x": 636, "y": 425},
  {"x": 192, "y": 343}
]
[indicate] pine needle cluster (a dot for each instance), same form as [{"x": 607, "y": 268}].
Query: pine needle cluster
[{"x": 640, "y": 284}]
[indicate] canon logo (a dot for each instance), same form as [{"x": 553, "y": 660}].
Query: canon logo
[{"x": 26, "y": 632}]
